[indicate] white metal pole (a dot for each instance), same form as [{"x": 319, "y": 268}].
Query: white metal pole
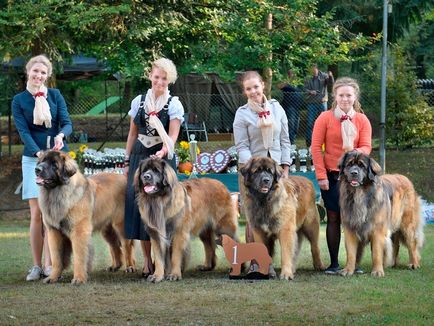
[{"x": 383, "y": 90}]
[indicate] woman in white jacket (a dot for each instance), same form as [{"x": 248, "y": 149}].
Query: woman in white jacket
[{"x": 260, "y": 129}]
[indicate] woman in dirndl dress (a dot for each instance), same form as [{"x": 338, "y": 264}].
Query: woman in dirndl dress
[{"x": 155, "y": 123}]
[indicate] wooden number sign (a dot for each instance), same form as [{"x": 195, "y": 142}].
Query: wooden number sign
[{"x": 238, "y": 253}]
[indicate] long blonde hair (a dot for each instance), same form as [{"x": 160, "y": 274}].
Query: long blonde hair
[{"x": 347, "y": 81}]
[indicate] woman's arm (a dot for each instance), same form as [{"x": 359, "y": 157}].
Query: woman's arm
[
  {"x": 318, "y": 139},
  {"x": 365, "y": 136},
  {"x": 241, "y": 137},
  {"x": 174, "y": 128},
  {"x": 132, "y": 136},
  {"x": 64, "y": 121},
  {"x": 285, "y": 143},
  {"x": 23, "y": 128}
]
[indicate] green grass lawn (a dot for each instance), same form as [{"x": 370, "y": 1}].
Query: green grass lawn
[{"x": 403, "y": 297}]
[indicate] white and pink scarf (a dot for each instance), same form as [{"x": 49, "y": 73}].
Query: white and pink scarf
[
  {"x": 154, "y": 105},
  {"x": 265, "y": 120},
  {"x": 348, "y": 129},
  {"x": 41, "y": 112}
]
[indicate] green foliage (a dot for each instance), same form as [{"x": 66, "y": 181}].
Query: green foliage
[
  {"x": 217, "y": 36},
  {"x": 410, "y": 121},
  {"x": 236, "y": 38}
]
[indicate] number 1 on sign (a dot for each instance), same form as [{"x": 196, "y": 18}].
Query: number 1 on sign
[{"x": 234, "y": 262}]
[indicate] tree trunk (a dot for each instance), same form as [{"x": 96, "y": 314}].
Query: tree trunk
[{"x": 268, "y": 72}]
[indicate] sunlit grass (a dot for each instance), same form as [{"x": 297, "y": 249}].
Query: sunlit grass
[{"x": 402, "y": 297}]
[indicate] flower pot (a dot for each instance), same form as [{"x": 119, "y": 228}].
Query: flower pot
[{"x": 185, "y": 166}]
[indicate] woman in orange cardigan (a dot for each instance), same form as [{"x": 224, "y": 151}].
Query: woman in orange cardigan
[{"x": 341, "y": 129}]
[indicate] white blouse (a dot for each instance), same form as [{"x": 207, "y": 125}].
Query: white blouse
[{"x": 176, "y": 110}]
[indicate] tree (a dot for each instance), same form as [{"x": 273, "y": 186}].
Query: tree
[
  {"x": 410, "y": 121},
  {"x": 236, "y": 38}
]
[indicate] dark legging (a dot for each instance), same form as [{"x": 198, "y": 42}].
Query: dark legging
[{"x": 333, "y": 234}]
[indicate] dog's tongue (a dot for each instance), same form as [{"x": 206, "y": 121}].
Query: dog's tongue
[
  {"x": 39, "y": 180},
  {"x": 149, "y": 188},
  {"x": 354, "y": 183},
  {"x": 264, "y": 189}
]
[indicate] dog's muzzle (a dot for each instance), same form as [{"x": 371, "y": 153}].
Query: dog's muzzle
[{"x": 354, "y": 177}]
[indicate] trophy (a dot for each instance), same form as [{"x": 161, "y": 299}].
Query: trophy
[
  {"x": 302, "y": 153},
  {"x": 293, "y": 154},
  {"x": 312, "y": 167},
  {"x": 193, "y": 155}
]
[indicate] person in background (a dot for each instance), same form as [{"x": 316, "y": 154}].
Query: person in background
[
  {"x": 260, "y": 129},
  {"x": 292, "y": 103},
  {"x": 42, "y": 120},
  {"x": 316, "y": 97},
  {"x": 155, "y": 123},
  {"x": 341, "y": 129}
]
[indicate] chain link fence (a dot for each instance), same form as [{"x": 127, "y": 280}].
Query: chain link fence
[{"x": 218, "y": 113}]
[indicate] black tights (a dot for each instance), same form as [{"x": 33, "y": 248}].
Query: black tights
[{"x": 333, "y": 234}]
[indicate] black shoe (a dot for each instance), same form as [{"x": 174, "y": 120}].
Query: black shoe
[{"x": 332, "y": 270}]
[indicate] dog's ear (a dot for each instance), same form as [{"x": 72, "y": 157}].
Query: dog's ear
[
  {"x": 374, "y": 169},
  {"x": 137, "y": 180},
  {"x": 169, "y": 175},
  {"x": 245, "y": 168},
  {"x": 278, "y": 172},
  {"x": 342, "y": 163},
  {"x": 70, "y": 168}
]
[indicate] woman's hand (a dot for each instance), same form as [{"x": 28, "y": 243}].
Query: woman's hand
[
  {"x": 285, "y": 173},
  {"x": 58, "y": 142},
  {"x": 323, "y": 184},
  {"x": 161, "y": 153}
]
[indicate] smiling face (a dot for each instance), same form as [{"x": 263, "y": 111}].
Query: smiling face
[
  {"x": 345, "y": 97},
  {"x": 159, "y": 81},
  {"x": 37, "y": 74},
  {"x": 254, "y": 89}
]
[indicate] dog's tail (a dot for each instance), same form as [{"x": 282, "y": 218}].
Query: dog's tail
[
  {"x": 420, "y": 237},
  {"x": 388, "y": 250}
]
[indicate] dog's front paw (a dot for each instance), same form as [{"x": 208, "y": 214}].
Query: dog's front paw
[
  {"x": 413, "y": 266},
  {"x": 287, "y": 276},
  {"x": 154, "y": 278},
  {"x": 174, "y": 277},
  {"x": 346, "y": 272},
  {"x": 113, "y": 268},
  {"x": 50, "y": 279},
  {"x": 78, "y": 281},
  {"x": 378, "y": 273},
  {"x": 130, "y": 269},
  {"x": 204, "y": 268}
]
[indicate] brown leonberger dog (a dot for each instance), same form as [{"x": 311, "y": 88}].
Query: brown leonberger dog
[
  {"x": 74, "y": 206},
  {"x": 377, "y": 209},
  {"x": 282, "y": 209},
  {"x": 173, "y": 211}
]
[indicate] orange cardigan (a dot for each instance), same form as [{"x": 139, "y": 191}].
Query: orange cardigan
[{"x": 327, "y": 131}]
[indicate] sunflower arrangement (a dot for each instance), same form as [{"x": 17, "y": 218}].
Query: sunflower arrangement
[
  {"x": 183, "y": 152},
  {"x": 79, "y": 155}
]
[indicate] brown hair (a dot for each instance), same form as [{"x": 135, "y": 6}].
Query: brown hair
[
  {"x": 40, "y": 59},
  {"x": 249, "y": 75},
  {"x": 347, "y": 81}
]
